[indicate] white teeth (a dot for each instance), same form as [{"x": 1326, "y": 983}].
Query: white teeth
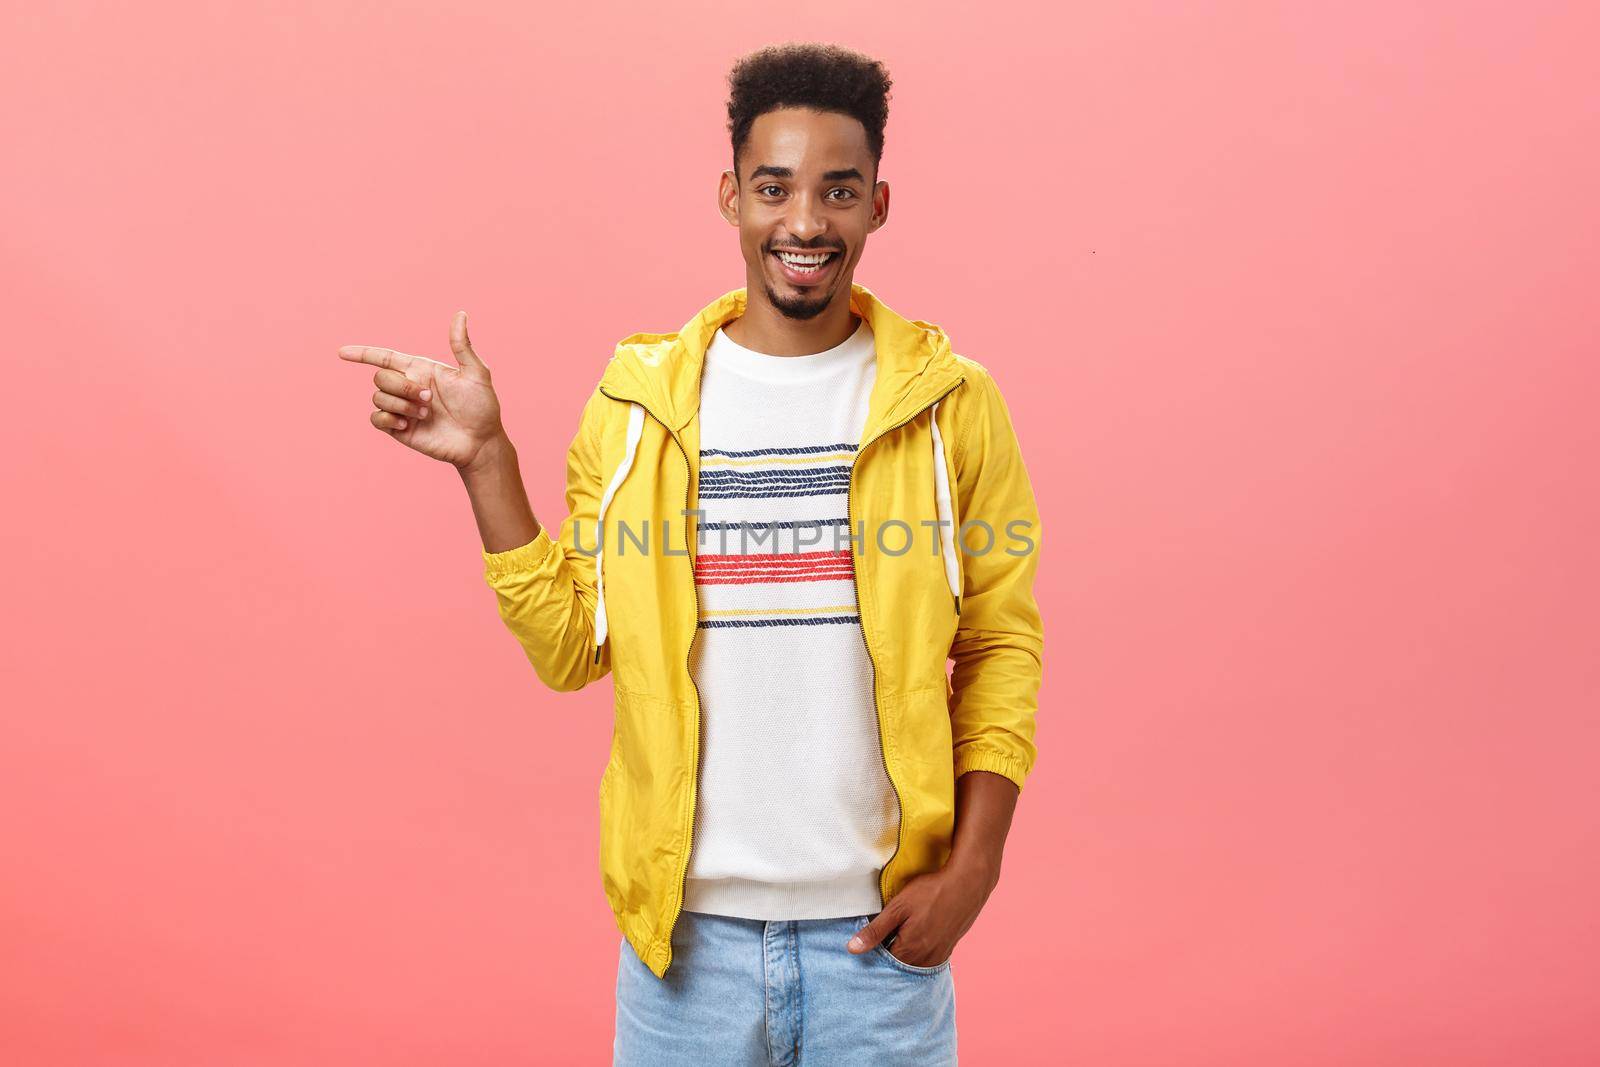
[{"x": 801, "y": 262}]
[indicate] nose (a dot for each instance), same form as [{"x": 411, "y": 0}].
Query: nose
[{"x": 804, "y": 219}]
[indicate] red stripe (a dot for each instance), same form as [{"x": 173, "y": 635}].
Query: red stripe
[
  {"x": 830, "y": 554},
  {"x": 798, "y": 565},
  {"x": 746, "y": 579},
  {"x": 752, "y": 569},
  {"x": 801, "y": 566},
  {"x": 732, "y": 572}
]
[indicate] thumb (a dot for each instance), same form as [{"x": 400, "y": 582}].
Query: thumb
[
  {"x": 875, "y": 931},
  {"x": 461, "y": 344}
]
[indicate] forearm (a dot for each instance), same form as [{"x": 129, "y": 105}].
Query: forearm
[
  {"x": 499, "y": 501},
  {"x": 985, "y": 804}
]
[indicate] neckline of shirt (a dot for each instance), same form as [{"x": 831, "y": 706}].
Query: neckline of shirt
[{"x": 727, "y": 354}]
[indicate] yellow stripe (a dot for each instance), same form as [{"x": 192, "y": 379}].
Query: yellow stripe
[
  {"x": 834, "y": 609},
  {"x": 719, "y": 462}
]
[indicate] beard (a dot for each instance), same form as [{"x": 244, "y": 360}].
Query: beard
[{"x": 798, "y": 308}]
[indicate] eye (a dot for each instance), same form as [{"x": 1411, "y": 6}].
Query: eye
[
  {"x": 764, "y": 188},
  {"x": 848, "y": 194}
]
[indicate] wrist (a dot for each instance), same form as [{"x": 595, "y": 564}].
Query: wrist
[
  {"x": 495, "y": 455},
  {"x": 980, "y": 866}
]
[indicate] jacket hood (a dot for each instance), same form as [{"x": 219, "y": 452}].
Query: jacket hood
[{"x": 661, "y": 371}]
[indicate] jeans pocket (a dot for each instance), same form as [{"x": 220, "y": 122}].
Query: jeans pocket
[
  {"x": 937, "y": 968},
  {"x": 882, "y": 952}
]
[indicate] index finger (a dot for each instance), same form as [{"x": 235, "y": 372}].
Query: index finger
[{"x": 378, "y": 357}]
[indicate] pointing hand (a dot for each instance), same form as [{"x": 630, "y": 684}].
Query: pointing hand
[{"x": 446, "y": 412}]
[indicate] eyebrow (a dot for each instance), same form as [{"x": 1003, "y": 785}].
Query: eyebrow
[{"x": 827, "y": 176}]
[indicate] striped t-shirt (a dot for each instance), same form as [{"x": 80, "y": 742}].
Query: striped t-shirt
[{"x": 795, "y": 815}]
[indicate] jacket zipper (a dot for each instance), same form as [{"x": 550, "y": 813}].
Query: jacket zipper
[
  {"x": 683, "y": 881},
  {"x": 900, "y": 822},
  {"x": 694, "y": 795},
  {"x": 694, "y": 592}
]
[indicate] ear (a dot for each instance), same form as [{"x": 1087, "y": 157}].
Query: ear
[
  {"x": 880, "y": 206},
  {"x": 728, "y": 197}
]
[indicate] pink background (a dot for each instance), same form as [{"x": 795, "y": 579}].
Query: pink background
[{"x": 1295, "y": 308}]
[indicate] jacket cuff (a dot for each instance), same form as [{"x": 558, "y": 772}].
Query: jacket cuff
[
  {"x": 988, "y": 759},
  {"x": 526, "y": 557}
]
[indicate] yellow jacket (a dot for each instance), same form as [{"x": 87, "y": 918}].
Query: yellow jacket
[{"x": 938, "y": 445}]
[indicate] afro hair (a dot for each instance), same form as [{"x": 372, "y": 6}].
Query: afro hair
[{"x": 822, "y": 77}]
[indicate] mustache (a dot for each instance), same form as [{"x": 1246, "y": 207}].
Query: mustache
[{"x": 808, "y": 248}]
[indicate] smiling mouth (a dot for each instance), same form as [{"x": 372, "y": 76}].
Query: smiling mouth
[{"x": 804, "y": 267}]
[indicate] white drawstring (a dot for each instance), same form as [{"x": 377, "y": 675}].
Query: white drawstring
[
  {"x": 635, "y": 428},
  {"x": 941, "y": 494}
]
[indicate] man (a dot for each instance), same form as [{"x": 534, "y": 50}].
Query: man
[{"x": 784, "y": 520}]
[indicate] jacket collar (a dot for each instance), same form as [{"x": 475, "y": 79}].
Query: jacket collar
[{"x": 661, "y": 371}]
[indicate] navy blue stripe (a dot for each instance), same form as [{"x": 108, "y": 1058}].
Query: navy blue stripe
[
  {"x": 798, "y": 450},
  {"x": 805, "y": 472},
  {"x": 753, "y": 494},
  {"x": 782, "y": 525},
  {"x": 814, "y": 483},
  {"x": 710, "y": 624},
  {"x": 836, "y": 474}
]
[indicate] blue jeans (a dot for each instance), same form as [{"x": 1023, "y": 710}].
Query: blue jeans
[{"x": 751, "y": 993}]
